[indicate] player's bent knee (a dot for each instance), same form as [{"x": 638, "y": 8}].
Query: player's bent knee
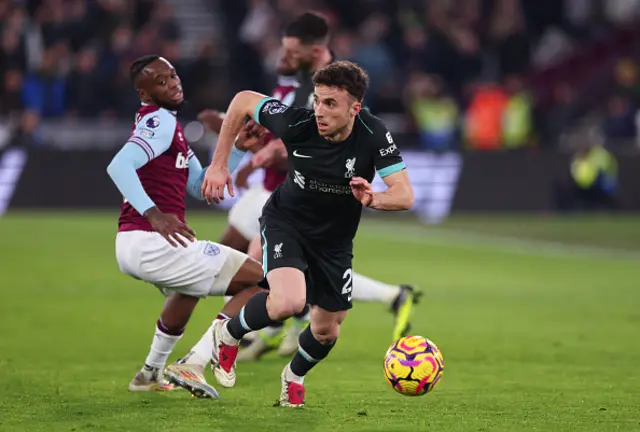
[
  {"x": 325, "y": 325},
  {"x": 326, "y": 332},
  {"x": 288, "y": 292},
  {"x": 281, "y": 307}
]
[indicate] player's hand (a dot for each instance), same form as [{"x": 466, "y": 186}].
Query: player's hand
[
  {"x": 250, "y": 136},
  {"x": 211, "y": 119},
  {"x": 242, "y": 176},
  {"x": 262, "y": 158},
  {"x": 362, "y": 190},
  {"x": 170, "y": 227},
  {"x": 215, "y": 179},
  {"x": 265, "y": 157}
]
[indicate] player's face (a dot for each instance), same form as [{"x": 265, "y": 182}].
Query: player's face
[
  {"x": 161, "y": 85},
  {"x": 335, "y": 109},
  {"x": 301, "y": 56}
]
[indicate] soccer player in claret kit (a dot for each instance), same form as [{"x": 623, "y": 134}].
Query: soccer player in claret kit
[
  {"x": 153, "y": 171},
  {"x": 310, "y": 220}
]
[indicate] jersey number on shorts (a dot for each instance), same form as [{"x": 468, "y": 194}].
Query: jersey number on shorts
[{"x": 348, "y": 276}]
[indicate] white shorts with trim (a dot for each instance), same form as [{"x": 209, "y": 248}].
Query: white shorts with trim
[
  {"x": 201, "y": 269},
  {"x": 245, "y": 213}
]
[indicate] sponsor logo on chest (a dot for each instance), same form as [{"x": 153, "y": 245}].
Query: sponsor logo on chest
[{"x": 182, "y": 162}]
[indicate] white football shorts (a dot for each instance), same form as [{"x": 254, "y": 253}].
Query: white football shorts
[
  {"x": 201, "y": 269},
  {"x": 245, "y": 213}
]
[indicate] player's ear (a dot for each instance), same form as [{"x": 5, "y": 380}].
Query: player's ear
[{"x": 356, "y": 107}]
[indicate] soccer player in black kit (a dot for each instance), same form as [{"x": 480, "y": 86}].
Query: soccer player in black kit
[{"x": 309, "y": 222}]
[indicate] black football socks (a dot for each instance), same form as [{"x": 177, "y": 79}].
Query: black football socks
[
  {"x": 310, "y": 352},
  {"x": 253, "y": 316}
]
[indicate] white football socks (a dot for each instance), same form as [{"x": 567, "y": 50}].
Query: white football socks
[
  {"x": 200, "y": 353},
  {"x": 290, "y": 376},
  {"x": 161, "y": 347},
  {"x": 369, "y": 290},
  {"x": 227, "y": 339}
]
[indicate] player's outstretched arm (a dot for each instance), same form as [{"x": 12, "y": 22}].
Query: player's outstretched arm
[
  {"x": 397, "y": 197},
  {"x": 391, "y": 168},
  {"x": 122, "y": 171},
  {"x": 196, "y": 177},
  {"x": 217, "y": 175},
  {"x": 242, "y": 106}
]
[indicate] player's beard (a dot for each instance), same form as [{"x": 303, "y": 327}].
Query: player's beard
[
  {"x": 171, "y": 106},
  {"x": 341, "y": 132},
  {"x": 305, "y": 64},
  {"x": 286, "y": 72}
]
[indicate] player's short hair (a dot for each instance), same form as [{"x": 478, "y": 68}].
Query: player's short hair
[
  {"x": 139, "y": 64},
  {"x": 310, "y": 28},
  {"x": 345, "y": 75}
]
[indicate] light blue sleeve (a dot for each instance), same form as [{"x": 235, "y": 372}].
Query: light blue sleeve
[
  {"x": 197, "y": 172},
  {"x": 196, "y": 177},
  {"x": 154, "y": 133},
  {"x": 122, "y": 171},
  {"x": 152, "y": 136},
  {"x": 235, "y": 158}
]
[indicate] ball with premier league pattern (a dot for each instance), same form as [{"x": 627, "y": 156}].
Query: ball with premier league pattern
[{"x": 413, "y": 365}]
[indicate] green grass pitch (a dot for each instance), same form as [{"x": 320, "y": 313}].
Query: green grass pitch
[{"x": 538, "y": 321}]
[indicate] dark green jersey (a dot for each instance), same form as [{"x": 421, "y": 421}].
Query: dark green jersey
[{"x": 316, "y": 199}]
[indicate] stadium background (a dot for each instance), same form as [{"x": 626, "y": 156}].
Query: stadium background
[{"x": 529, "y": 267}]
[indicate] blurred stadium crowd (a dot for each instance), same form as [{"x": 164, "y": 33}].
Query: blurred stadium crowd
[{"x": 477, "y": 74}]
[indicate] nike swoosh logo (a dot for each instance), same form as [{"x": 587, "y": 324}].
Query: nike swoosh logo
[
  {"x": 296, "y": 154},
  {"x": 349, "y": 298}
]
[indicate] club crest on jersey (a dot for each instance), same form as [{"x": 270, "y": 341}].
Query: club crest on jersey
[
  {"x": 211, "y": 250},
  {"x": 153, "y": 122},
  {"x": 182, "y": 162},
  {"x": 351, "y": 168}
]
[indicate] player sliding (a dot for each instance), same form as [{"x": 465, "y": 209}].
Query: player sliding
[
  {"x": 310, "y": 220},
  {"x": 153, "y": 171}
]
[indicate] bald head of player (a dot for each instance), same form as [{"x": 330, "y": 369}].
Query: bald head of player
[
  {"x": 156, "y": 82},
  {"x": 306, "y": 42},
  {"x": 337, "y": 98}
]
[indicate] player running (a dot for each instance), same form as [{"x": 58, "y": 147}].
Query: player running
[
  {"x": 310, "y": 220},
  {"x": 153, "y": 171},
  {"x": 306, "y": 46}
]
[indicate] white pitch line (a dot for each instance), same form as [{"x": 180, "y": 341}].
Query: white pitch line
[{"x": 469, "y": 240}]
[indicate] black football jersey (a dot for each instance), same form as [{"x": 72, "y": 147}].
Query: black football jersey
[{"x": 315, "y": 199}]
